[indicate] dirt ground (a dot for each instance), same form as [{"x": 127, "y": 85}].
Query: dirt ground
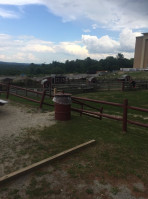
[
  {"x": 15, "y": 118},
  {"x": 15, "y": 122},
  {"x": 53, "y": 181}
]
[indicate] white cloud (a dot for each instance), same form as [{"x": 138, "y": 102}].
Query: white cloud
[
  {"x": 20, "y": 2},
  {"x": 30, "y": 49},
  {"x": 86, "y": 30},
  {"x": 22, "y": 57},
  {"x": 113, "y": 14},
  {"x": 5, "y": 42},
  {"x": 7, "y": 14},
  {"x": 127, "y": 40},
  {"x": 105, "y": 44},
  {"x": 2, "y": 57},
  {"x": 22, "y": 49},
  {"x": 98, "y": 11},
  {"x": 73, "y": 48},
  {"x": 94, "y": 26},
  {"x": 38, "y": 48},
  {"x": 4, "y": 36},
  {"x": 100, "y": 45}
]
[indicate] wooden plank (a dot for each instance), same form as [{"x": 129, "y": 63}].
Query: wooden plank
[{"x": 43, "y": 162}]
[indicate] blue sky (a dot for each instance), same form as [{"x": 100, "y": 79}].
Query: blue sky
[{"x": 42, "y": 31}]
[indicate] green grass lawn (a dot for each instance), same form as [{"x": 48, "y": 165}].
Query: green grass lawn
[{"x": 115, "y": 155}]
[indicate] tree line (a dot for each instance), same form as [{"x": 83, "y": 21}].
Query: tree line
[{"x": 87, "y": 65}]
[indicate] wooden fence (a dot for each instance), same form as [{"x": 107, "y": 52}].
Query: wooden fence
[
  {"x": 99, "y": 114},
  {"x": 76, "y": 88},
  {"x": 83, "y": 102},
  {"x": 103, "y": 85},
  {"x": 23, "y": 93}
]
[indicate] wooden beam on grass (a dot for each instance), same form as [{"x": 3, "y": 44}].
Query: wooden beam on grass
[{"x": 27, "y": 169}]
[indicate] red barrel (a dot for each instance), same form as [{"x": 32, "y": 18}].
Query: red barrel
[{"x": 62, "y": 106}]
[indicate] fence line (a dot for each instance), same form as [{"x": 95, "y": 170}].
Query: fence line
[
  {"x": 8, "y": 91},
  {"x": 100, "y": 86},
  {"x": 124, "y": 107},
  {"x": 82, "y": 102}
]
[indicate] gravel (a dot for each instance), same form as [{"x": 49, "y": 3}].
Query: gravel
[{"x": 16, "y": 118}]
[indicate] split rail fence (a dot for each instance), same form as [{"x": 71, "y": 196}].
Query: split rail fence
[
  {"x": 110, "y": 85},
  {"x": 83, "y": 102},
  {"x": 23, "y": 93},
  {"x": 99, "y": 114}
]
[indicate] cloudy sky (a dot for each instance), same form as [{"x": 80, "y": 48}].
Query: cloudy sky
[{"x": 42, "y": 31}]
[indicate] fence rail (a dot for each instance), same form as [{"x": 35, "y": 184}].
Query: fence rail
[
  {"x": 138, "y": 109},
  {"x": 124, "y": 119},
  {"x": 12, "y": 90},
  {"x": 97, "y": 101},
  {"x": 83, "y": 102},
  {"x": 102, "y": 85}
]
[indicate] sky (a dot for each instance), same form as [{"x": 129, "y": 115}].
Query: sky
[{"x": 42, "y": 31}]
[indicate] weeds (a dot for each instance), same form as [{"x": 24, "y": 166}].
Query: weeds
[
  {"x": 89, "y": 191},
  {"x": 115, "y": 190}
]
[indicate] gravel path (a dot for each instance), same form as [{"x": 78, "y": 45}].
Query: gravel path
[{"x": 14, "y": 118}]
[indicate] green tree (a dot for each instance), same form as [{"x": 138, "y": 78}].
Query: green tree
[{"x": 120, "y": 56}]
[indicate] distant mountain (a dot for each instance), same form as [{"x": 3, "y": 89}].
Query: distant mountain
[
  {"x": 12, "y": 68},
  {"x": 9, "y": 64}
]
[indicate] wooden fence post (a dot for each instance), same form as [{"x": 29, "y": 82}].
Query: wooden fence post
[
  {"x": 123, "y": 85},
  {"x": 101, "y": 111},
  {"x": 82, "y": 109},
  {"x": 108, "y": 85},
  {"x": 26, "y": 92},
  {"x": 8, "y": 89},
  {"x": 42, "y": 99},
  {"x": 125, "y": 104},
  {"x": 50, "y": 89}
]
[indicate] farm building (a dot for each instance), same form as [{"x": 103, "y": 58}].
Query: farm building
[
  {"x": 125, "y": 78},
  {"x": 6, "y": 80},
  {"x": 102, "y": 73},
  {"x": 92, "y": 80},
  {"x": 58, "y": 79},
  {"x": 77, "y": 77},
  {"x": 141, "y": 52},
  {"x": 55, "y": 79},
  {"x": 80, "y": 77}
]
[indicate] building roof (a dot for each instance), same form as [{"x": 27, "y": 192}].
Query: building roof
[{"x": 145, "y": 34}]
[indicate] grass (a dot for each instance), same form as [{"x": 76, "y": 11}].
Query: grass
[
  {"x": 115, "y": 190},
  {"x": 118, "y": 97},
  {"x": 89, "y": 191},
  {"x": 143, "y": 75},
  {"x": 139, "y": 75},
  {"x": 136, "y": 98},
  {"x": 120, "y": 155},
  {"x": 115, "y": 155}
]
